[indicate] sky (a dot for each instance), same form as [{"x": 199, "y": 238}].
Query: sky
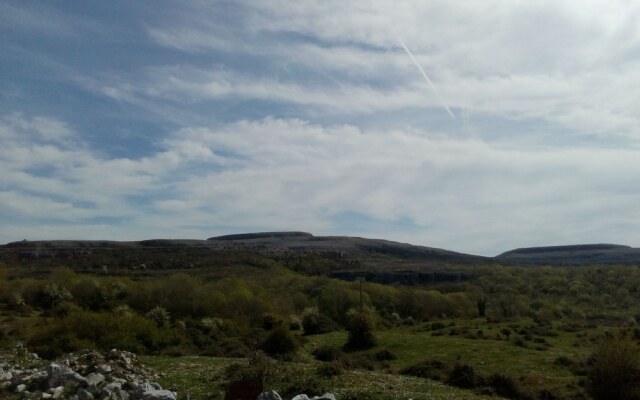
[{"x": 130, "y": 120}]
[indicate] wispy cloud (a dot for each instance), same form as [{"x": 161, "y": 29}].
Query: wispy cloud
[{"x": 208, "y": 117}]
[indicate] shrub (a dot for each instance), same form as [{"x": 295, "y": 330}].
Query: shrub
[
  {"x": 280, "y": 343},
  {"x": 160, "y": 316},
  {"x": 615, "y": 370},
  {"x": 52, "y": 295},
  {"x": 360, "y": 325},
  {"x": 82, "y": 329},
  {"x": 329, "y": 370},
  {"x": 294, "y": 323},
  {"x": 360, "y": 361},
  {"x": 431, "y": 369},
  {"x": 504, "y": 386},
  {"x": 563, "y": 361},
  {"x": 314, "y": 323},
  {"x": 327, "y": 353},
  {"x": 463, "y": 376},
  {"x": 271, "y": 321},
  {"x": 385, "y": 355},
  {"x": 258, "y": 366},
  {"x": 437, "y": 326}
]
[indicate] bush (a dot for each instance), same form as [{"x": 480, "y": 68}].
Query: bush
[
  {"x": 385, "y": 355},
  {"x": 359, "y": 361},
  {"x": 329, "y": 370},
  {"x": 431, "y": 369},
  {"x": 360, "y": 325},
  {"x": 463, "y": 376},
  {"x": 82, "y": 329},
  {"x": 615, "y": 370},
  {"x": 294, "y": 323},
  {"x": 327, "y": 353},
  {"x": 314, "y": 323},
  {"x": 504, "y": 386},
  {"x": 271, "y": 321},
  {"x": 160, "y": 316},
  {"x": 280, "y": 343}
]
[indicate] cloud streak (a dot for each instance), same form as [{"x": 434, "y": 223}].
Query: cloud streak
[
  {"x": 424, "y": 74},
  {"x": 209, "y": 118}
]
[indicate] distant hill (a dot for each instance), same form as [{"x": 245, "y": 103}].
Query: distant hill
[
  {"x": 348, "y": 246},
  {"x": 584, "y": 254},
  {"x": 342, "y": 256}
]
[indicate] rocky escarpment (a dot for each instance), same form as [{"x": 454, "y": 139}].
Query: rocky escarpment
[
  {"x": 87, "y": 375},
  {"x": 584, "y": 254}
]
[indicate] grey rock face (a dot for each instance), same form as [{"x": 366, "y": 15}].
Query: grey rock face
[
  {"x": 84, "y": 395},
  {"x": 269, "y": 395},
  {"x": 326, "y": 396},
  {"x": 94, "y": 380},
  {"x": 86, "y": 376}
]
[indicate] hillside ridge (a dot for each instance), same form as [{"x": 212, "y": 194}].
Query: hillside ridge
[{"x": 375, "y": 252}]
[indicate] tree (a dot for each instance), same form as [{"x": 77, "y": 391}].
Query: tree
[
  {"x": 360, "y": 325},
  {"x": 280, "y": 343}
]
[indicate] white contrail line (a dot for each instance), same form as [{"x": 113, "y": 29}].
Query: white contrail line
[{"x": 406, "y": 49}]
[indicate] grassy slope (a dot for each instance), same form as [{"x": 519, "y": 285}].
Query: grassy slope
[
  {"x": 201, "y": 377},
  {"x": 529, "y": 365}
]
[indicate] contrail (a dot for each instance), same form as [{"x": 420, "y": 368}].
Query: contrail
[{"x": 406, "y": 49}]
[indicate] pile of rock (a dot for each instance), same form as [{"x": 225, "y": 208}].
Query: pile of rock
[{"x": 88, "y": 375}]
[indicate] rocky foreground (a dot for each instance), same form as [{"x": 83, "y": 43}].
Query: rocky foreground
[
  {"x": 87, "y": 375},
  {"x": 90, "y": 375}
]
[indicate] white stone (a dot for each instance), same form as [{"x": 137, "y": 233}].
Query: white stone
[
  {"x": 269, "y": 395},
  {"x": 56, "y": 393}
]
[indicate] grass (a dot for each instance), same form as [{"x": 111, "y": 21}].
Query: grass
[
  {"x": 532, "y": 365},
  {"x": 202, "y": 378}
]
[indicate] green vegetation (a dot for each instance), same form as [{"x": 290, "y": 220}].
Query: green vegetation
[{"x": 515, "y": 332}]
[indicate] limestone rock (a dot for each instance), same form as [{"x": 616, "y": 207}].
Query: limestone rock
[{"x": 269, "y": 395}]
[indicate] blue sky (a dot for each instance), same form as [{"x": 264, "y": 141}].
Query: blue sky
[{"x": 168, "y": 119}]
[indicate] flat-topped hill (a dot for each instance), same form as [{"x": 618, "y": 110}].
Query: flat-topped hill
[
  {"x": 370, "y": 253},
  {"x": 583, "y": 254}
]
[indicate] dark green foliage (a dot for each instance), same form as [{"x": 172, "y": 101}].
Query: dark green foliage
[
  {"x": 431, "y": 369},
  {"x": 102, "y": 331},
  {"x": 360, "y": 325},
  {"x": 563, "y": 361},
  {"x": 280, "y": 343},
  {"x": 615, "y": 370},
  {"x": 328, "y": 370},
  {"x": 52, "y": 295},
  {"x": 463, "y": 376},
  {"x": 315, "y": 323},
  {"x": 296, "y": 382},
  {"x": 257, "y": 366},
  {"x": 504, "y": 386},
  {"x": 327, "y": 353},
  {"x": 481, "y": 305},
  {"x": 437, "y": 326},
  {"x": 385, "y": 355},
  {"x": 271, "y": 321},
  {"x": 359, "y": 361},
  {"x": 159, "y": 316}
]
